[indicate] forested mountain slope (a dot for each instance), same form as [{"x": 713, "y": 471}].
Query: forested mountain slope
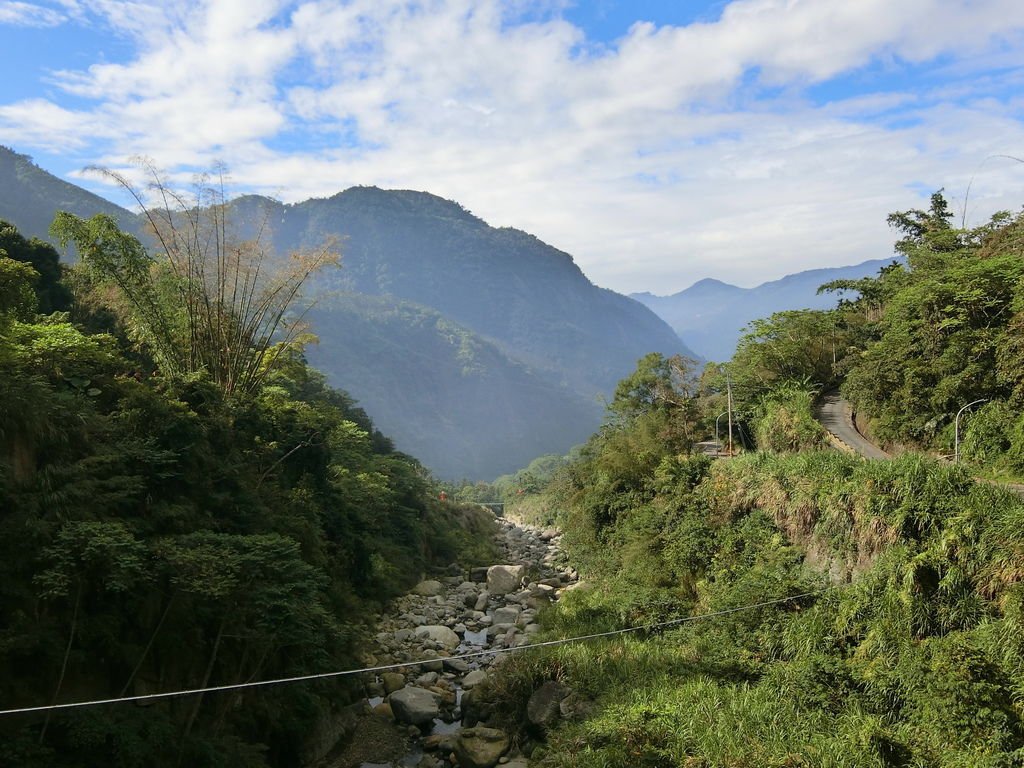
[
  {"x": 457, "y": 399},
  {"x": 163, "y": 527},
  {"x": 554, "y": 343},
  {"x": 29, "y": 196},
  {"x": 506, "y": 285}
]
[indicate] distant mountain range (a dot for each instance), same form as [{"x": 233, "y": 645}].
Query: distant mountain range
[
  {"x": 710, "y": 315},
  {"x": 476, "y": 349}
]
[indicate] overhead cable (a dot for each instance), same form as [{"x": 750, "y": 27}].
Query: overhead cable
[{"x": 404, "y": 664}]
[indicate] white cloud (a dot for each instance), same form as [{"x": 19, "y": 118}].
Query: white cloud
[
  {"x": 29, "y": 15},
  {"x": 673, "y": 154}
]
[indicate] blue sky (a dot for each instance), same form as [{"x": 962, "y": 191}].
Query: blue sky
[{"x": 657, "y": 142}]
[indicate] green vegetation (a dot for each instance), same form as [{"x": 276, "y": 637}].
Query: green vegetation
[
  {"x": 910, "y": 655},
  {"x": 164, "y": 527},
  {"x": 909, "y": 348},
  {"x": 474, "y": 348},
  {"x": 942, "y": 332},
  {"x": 903, "y": 647}
]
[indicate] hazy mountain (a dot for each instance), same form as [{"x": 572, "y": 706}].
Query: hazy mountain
[
  {"x": 29, "y": 196},
  {"x": 524, "y": 295},
  {"x": 475, "y": 348},
  {"x": 444, "y": 394},
  {"x": 710, "y": 315}
]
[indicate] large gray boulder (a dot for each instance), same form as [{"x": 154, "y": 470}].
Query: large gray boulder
[
  {"x": 428, "y": 588},
  {"x": 508, "y": 614},
  {"x": 543, "y": 707},
  {"x": 413, "y": 705},
  {"x": 439, "y": 634},
  {"x": 502, "y": 579},
  {"x": 480, "y": 747}
]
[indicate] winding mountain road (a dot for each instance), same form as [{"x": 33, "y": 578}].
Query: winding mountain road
[{"x": 836, "y": 416}]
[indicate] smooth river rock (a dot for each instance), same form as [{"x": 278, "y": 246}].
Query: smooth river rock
[
  {"x": 393, "y": 681},
  {"x": 428, "y": 588},
  {"x": 502, "y": 579},
  {"x": 439, "y": 634},
  {"x": 480, "y": 747},
  {"x": 413, "y": 705}
]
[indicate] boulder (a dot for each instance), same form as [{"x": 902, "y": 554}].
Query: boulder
[
  {"x": 475, "y": 709},
  {"x": 431, "y": 662},
  {"x": 439, "y": 634},
  {"x": 507, "y": 614},
  {"x": 543, "y": 707},
  {"x": 521, "y": 597},
  {"x": 456, "y": 665},
  {"x": 480, "y": 604},
  {"x": 439, "y": 742},
  {"x": 474, "y": 679},
  {"x": 393, "y": 681},
  {"x": 575, "y": 707},
  {"x": 414, "y": 706},
  {"x": 480, "y": 747},
  {"x": 502, "y": 579},
  {"x": 428, "y": 588}
]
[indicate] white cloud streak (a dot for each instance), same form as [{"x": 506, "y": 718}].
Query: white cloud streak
[
  {"x": 20, "y": 14},
  {"x": 673, "y": 154}
]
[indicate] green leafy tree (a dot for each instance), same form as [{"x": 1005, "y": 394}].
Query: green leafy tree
[
  {"x": 947, "y": 331},
  {"x": 51, "y": 294},
  {"x": 209, "y": 300}
]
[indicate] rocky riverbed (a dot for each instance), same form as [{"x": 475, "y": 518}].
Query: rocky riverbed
[{"x": 455, "y": 625}]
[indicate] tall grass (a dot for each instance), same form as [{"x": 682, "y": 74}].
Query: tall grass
[{"x": 912, "y": 656}]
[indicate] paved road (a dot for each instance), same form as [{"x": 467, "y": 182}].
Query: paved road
[{"x": 835, "y": 415}]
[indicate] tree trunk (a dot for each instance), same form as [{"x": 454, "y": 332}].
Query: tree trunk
[
  {"x": 149, "y": 645},
  {"x": 64, "y": 663},
  {"x": 199, "y": 696}
]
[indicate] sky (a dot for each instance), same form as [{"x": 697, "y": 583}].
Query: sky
[{"x": 657, "y": 141}]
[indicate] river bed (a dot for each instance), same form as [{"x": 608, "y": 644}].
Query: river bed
[{"x": 442, "y": 620}]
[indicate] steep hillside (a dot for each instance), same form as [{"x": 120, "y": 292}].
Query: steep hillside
[
  {"x": 709, "y": 315},
  {"x": 29, "y": 196},
  {"x": 444, "y": 394},
  {"x": 544, "y": 343},
  {"x": 528, "y": 297}
]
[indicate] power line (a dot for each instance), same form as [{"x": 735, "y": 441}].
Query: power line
[{"x": 404, "y": 664}]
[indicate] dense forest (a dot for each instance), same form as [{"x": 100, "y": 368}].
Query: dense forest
[
  {"x": 474, "y": 348},
  {"x": 185, "y": 502},
  {"x": 898, "y": 641},
  {"x": 938, "y": 330}
]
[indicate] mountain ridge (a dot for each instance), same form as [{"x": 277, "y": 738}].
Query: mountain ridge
[
  {"x": 710, "y": 315},
  {"x": 533, "y": 332}
]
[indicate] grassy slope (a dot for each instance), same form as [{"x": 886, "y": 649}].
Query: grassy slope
[{"x": 916, "y": 661}]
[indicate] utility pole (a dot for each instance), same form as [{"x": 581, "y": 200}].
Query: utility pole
[{"x": 728, "y": 385}]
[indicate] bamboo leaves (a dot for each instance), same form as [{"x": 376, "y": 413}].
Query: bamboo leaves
[{"x": 209, "y": 300}]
